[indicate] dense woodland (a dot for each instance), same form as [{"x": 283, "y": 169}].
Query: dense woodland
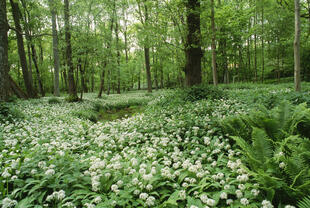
[
  {"x": 155, "y": 103},
  {"x": 114, "y": 46}
]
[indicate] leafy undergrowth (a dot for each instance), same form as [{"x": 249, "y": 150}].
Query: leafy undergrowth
[
  {"x": 114, "y": 114},
  {"x": 174, "y": 154}
]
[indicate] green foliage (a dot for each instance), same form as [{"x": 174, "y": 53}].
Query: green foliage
[
  {"x": 71, "y": 99},
  {"x": 304, "y": 203},
  {"x": 53, "y": 100},
  {"x": 87, "y": 114},
  {"x": 9, "y": 113},
  {"x": 276, "y": 152},
  {"x": 200, "y": 92}
]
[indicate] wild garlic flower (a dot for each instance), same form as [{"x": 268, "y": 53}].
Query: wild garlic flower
[
  {"x": 143, "y": 196},
  {"x": 244, "y": 201},
  {"x": 8, "y": 203},
  {"x": 267, "y": 204}
]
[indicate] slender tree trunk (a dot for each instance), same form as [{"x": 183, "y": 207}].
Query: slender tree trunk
[
  {"x": 118, "y": 60},
  {"x": 82, "y": 73},
  {"x": 255, "y": 44},
  {"x": 155, "y": 70},
  {"x": 297, "y": 79},
  {"x": 161, "y": 77},
  {"x": 30, "y": 60},
  {"x": 101, "y": 89},
  {"x": 35, "y": 62},
  {"x": 139, "y": 80},
  {"x": 147, "y": 54},
  {"x": 71, "y": 82},
  {"x": 55, "y": 49},
  {"x": 4, "y": 65},
  {"x": 21, "y": 49},
  {"x": 213, "y": 45},
  {"x": 193, "y": 44},
  {"x": 263, "y": 44}
]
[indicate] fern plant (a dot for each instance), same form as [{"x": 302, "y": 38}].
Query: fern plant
[
  {"x": 277, "y": 150},
  {"x": 304, "y": 203}
]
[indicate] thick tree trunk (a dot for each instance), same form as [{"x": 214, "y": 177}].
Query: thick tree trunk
[
  {"x": 193, "y": 44},
  {"x": 213, "y": 45},
  {"x": 297, "y": 47},
  {"x": 4, "y": 66},
  {"x": 21, "y": 49},
  {"x": 55, "y": 49}
]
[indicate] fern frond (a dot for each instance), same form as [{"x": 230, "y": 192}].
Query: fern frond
[
  {"x": 295, "y": 169},
  {"x": 249, "y": 152},
  {"x": 262, "y": 147},
  {"x": 304, "y": 203},
  {"x": 284, "y": 115}
]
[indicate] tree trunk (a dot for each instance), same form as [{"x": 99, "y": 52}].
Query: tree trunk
[
  {"x": 34, "y": 58},
  {"x": 255, "y": 44},
  {"x": 4, "y": 65},
  {"x": 16, "y": 89},
  {"x": 101, "y": 89},
  {"x": 161, "y": 77},
  {"x": 21, "y": 49},
  {"x": 263, "y": 46},
  {"x": 55, "y": 49},
  {"x": 213, "y": 45},
  {"x": 147, "y": 55},
  {"x": 139, "y": 80},
  {"x": 155, "y": 70},
  {"x": 118, "y": 60},
  {"x": 71, "y": 83},
  {"x": 148, "y": 68},
  {"x": 193, "y": 51},
  {"x": 297, "y": 47}
]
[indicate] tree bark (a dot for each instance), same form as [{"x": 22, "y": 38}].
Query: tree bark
[
  {"x": 255, "y": 44},
  {"x": 16, "y": 89},
  {"x": 118, "y": 59},
  {"x": 101, "y": 89},
  {"x": 34, "y": 58},
  {"x": 263, "y": 45},
  {"x": 21, "y": 49},
  {"x": 193, "y": 51},
  {"x": 213, "y": 45},
  {"x": 55, "y": 49},
  {"x": 71, "y": 82},
  {"x": 297, "y": 79},
  {"x": 4, "y": 65},
  {"x": 147, "y": 54}
]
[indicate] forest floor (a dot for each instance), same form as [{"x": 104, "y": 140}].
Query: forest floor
[{"x": 172, "y": 148}]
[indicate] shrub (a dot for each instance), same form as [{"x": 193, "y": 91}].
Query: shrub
[
  {"x": 88, "y": 115},
  {"x": 200, "y": 92},
  {"x": 72, "y": 99},
  {"x": 9, "y": 113},
  {"x": 53, "y": 100}
]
